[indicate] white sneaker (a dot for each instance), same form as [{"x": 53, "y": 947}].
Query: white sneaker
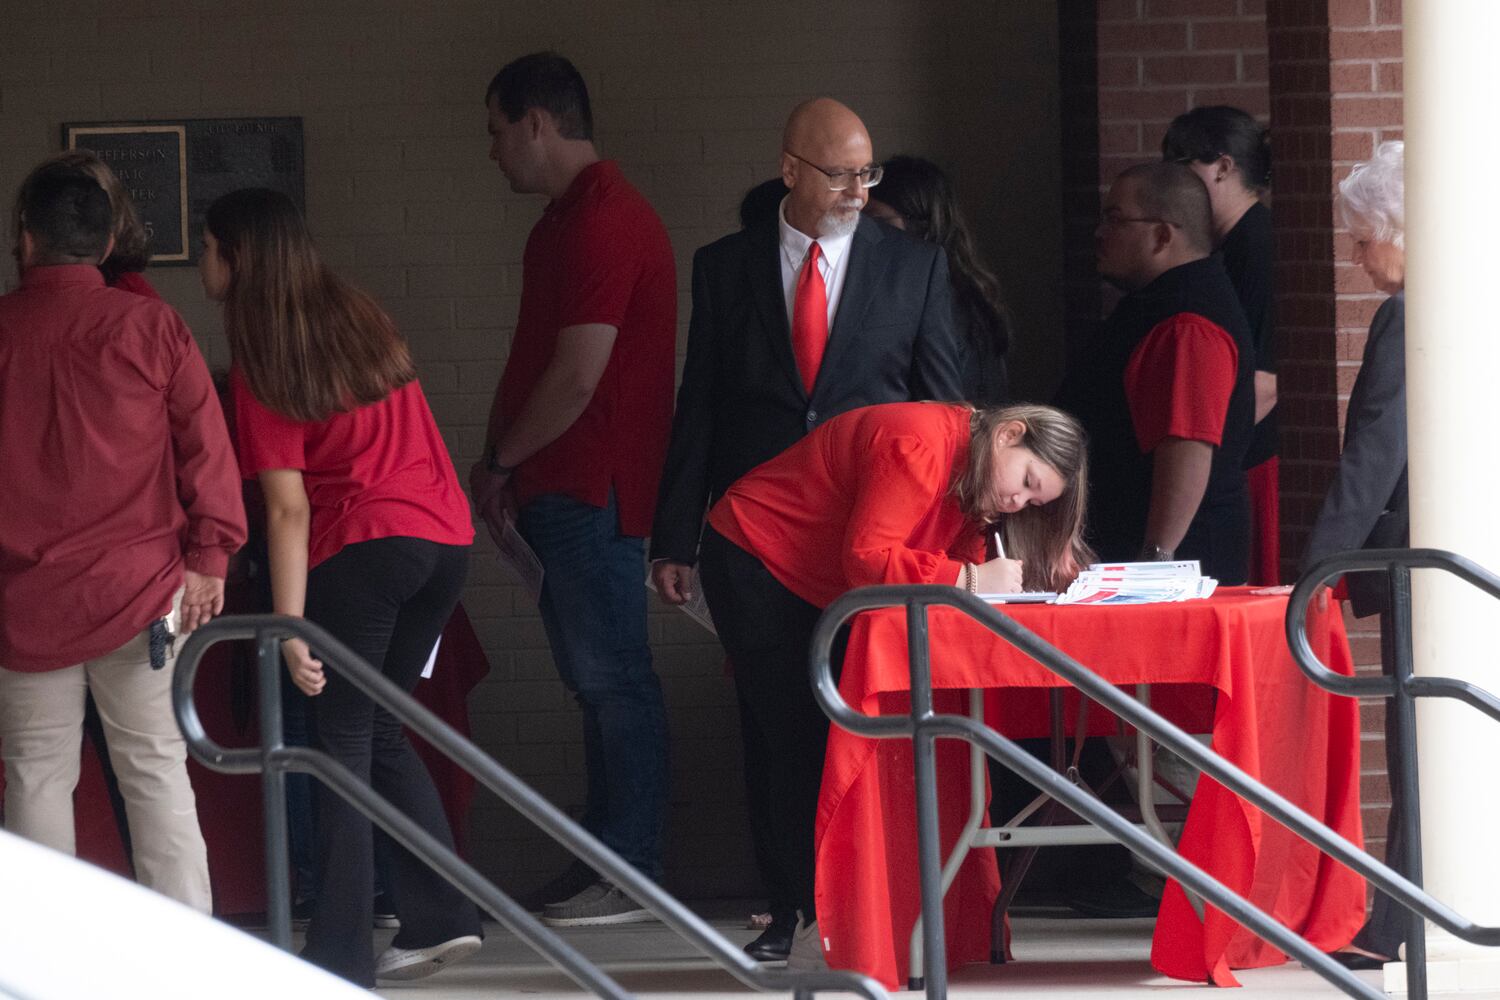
[
  {"x": 807, "y": 949},
  {"x": 415, "y": 963}
]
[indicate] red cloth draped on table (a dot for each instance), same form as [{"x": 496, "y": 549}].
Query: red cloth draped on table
[
  {"x": 1267, "y": 719},
  {"x": 229, "y": 807}
]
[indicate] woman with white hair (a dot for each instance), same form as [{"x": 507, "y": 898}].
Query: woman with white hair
[{"x": 1366, "y": 506}]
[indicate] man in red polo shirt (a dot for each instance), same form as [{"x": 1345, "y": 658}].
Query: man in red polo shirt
[
  {"x": 120, "y": 510},
  {"x": 577, "y": 436}
]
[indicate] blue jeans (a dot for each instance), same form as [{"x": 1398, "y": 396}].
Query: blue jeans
[{"x": 593, "y": 606}]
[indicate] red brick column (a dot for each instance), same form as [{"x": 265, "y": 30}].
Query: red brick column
[
  {"x": 1335, "y": 81},
  {"x": 1159, "y": 58},
  {"x": 1128, "y": 68}
]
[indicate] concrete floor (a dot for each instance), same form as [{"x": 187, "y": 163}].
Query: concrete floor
[{"x": 1056, "y": 958}]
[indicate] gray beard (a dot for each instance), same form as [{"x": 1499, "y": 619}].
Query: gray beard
[{"x": 838, "y": 222}]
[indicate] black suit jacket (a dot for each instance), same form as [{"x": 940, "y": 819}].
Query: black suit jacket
[
  {"x": 1366, "y": 507},
  {"x": 742, "y": 401}
]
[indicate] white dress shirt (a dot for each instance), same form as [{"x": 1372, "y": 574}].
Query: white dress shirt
[{"x": 834, "y": 263}]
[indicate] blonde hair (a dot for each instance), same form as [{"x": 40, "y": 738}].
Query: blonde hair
[
  {"x": 1049, "y": 538},
  {"x": 131, "y": 252}
]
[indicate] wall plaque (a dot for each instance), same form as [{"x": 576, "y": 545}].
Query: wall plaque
[{"x": 175, "y": 169}]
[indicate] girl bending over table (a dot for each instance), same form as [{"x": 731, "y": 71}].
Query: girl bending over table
[{"x": 899, "y": 493}]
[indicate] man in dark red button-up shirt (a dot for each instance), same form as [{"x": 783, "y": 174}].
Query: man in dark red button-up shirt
[{"x": 121, "y": 507}]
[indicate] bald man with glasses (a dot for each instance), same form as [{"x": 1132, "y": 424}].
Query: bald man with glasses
[{"x": 812, "y": 313}]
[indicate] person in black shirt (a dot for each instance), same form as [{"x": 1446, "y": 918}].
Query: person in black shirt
[
  {"x": 914, "y": 195},
  {"x": 1164, "y": 388},
  {"x": 1229, "y": 150}
]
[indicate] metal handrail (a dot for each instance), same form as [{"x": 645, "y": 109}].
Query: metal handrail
[
  {"x": 924, "y": 726},
  {"x": 1402, "y": 686},
  {"x": 273, "y": 759},
  {"x": 1399, "y": 562}
]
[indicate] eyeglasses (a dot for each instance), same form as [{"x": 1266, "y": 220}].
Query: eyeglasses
[{"x": 843, "y": 180}]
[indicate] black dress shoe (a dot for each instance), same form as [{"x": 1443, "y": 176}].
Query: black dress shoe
[
  {"x": 775, "y": 942},
  {"x": 1355, "y": 962}
]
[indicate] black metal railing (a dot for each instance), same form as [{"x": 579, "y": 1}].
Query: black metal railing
[
  {"x": 272, "y": 759},
  {"x": 924, "y": 726},
  {"x": 1405, "y": 688}
]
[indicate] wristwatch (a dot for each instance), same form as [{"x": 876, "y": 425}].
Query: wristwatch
[{"x": 1151, "y": 552}]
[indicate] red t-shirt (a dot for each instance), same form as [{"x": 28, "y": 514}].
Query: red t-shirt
[
  {"x": 379, "y": 471},
  {"x": 118, "y": 469},
  {"x": 1179, "y": 379},
  {"x": 599, "y": 254},
  {"x": 864, "y": 499}
]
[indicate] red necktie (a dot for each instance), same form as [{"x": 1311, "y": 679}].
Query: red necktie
[{"x": 810, "y": 319}]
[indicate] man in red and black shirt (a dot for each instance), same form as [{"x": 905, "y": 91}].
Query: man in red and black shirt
[
  {"x": 1166, "y": 388},
  {"x": 120, "y": 511},
  {"x": 577, "y": 436}
]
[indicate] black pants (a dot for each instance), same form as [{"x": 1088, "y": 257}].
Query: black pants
[
  {"x": 1385, "y": 932},
  {"x": 388, "y": 601},
  {"x": 767, "y": 632}
]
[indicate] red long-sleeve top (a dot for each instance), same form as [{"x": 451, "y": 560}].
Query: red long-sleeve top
[
  {"x": 118, "y": 469},
  {"x": 864, "y": 499}
]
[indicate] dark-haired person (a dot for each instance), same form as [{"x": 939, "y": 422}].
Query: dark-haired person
[
  {"x": 1165, "y": 389},
  {"x": 367, "y": 534},
  {"x": 121, "y": 269},
  {"x": 576, "y": 439},
  {"x": 130, "y": 253},
  {"x": 1165, "y": 392},
  {"x": 914, "y": 195},
  {"x": 120, "y": 511},
  {"x": 1231, "y": 152}
]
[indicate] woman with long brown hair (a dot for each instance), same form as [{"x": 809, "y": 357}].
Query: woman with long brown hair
[
  {"x": 368, "y": 534},
  {"x": 915, "y": 195}
]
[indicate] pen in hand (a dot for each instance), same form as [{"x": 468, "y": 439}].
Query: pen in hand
[{"x": 999, "y": 546}]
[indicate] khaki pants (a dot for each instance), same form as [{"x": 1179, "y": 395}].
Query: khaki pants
[{"x": 41, "y": 733}]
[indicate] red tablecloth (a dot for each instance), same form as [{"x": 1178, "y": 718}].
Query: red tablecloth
[{"x": 1267, "y": 718}]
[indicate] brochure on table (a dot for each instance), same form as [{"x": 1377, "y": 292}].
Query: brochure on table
[{"x": 1124, "y": 583}]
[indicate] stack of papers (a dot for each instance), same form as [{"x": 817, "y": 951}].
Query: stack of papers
[
  {"x": 1139, "y": 583},
  {"x": 1021, "y": 597}
]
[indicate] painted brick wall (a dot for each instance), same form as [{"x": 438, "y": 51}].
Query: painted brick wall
[{"x": 690, "y": 96}]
